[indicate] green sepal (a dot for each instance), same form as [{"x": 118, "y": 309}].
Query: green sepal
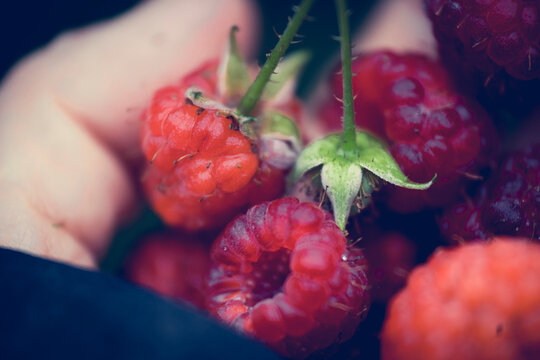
[
  {"x": 286, "y": 73},
  {"x": 246, "y": 123},
  {"x": 373, "y": 156},
  {"x": 341, "y": 180},
  {"x": 275, "y": 122},
  {"x": 315, "y": 154},
  {"x": 349, "y": 178},
  {"x": 234, "y": 74},
  {"x": 196, "y": 96}
]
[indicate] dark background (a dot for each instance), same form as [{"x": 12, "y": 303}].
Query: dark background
[{"x": 28, "y": 25}]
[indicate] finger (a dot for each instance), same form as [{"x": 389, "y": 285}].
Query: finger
[
  {"x": 69, "y": 110},
  {"x": 105, "y": 75},
  {"x": 398, "y": 25}
]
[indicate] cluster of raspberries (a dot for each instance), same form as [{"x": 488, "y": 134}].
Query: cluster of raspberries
[
  {"x": 283, "y": 272},
  {"x": 280, "y": 270}
]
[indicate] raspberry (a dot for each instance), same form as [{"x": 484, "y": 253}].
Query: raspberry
[
  {"x": 283, "y": 273},
  {"x": 409, "y": 101},
  {"x": 174, "y": 266},
  {"x": 507, "y": 204},
  {"x": 203, "y": 169},
  {"x": 490, "y": 35},
  {"x": 476, "y": 301}
]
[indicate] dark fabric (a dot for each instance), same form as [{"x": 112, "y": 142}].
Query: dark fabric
[{"x": 53, "y": 311}]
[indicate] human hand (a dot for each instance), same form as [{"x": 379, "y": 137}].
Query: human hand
[{"x": 70, "y": 121}]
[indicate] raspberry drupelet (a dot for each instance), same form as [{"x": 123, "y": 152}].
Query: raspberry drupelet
[
  {"x": 475, "y": 301},
  {"x": 283, "y": 273},
  {"x": 508, "y": 203},
  {"x": 409, "y": 101},
  {"x": 203, "y": 169}
]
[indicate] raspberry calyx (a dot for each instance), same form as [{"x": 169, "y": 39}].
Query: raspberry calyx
[{"x": 343, "y": 158}]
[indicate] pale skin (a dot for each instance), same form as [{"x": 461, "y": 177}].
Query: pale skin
[{"x": 70, "y": 114}]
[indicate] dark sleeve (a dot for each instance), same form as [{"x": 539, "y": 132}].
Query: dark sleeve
[{"x": 53, "y": 311}]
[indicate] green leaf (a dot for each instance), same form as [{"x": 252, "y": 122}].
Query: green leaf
[
  {"x": 315, "y": 154},
  {"x": 341, "y": 181},
  {"x": 286, "y": 72},
  {"x": 235, "y": 79}
]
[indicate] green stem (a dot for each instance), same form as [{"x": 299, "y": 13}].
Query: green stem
[
  {"x": 349, "y": 128},
  {"x": 249, "y": 100}
]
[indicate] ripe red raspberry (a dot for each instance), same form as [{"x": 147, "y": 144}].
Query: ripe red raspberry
[
  {"x": 490, "y": 35},
  {"x": 174, "y": 266},
  {"x": 409, "y": 101},
  {"x": 476, "y": 301},
  {"x": 203, "y": 169},
  {"x": 283, "y": 273},
  {"x": 507, "y": 204}
]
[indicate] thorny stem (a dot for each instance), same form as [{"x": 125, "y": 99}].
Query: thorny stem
[
  {"x": 349, "y": 129},
  {"x": 252, "y": 95}
]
